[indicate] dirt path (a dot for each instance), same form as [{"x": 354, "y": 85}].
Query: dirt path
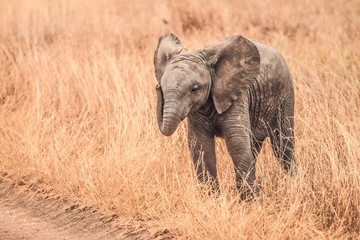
[
  {"x": 30, "y": 214},
  {"x": 18, "y": 223}
]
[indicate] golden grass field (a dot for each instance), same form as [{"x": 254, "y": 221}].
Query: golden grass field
[{"x": 77, "y": 114}]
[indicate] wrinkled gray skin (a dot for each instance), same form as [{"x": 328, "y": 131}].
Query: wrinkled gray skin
[{"x": 237, "y": 89}]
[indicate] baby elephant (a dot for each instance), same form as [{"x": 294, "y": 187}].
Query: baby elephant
[{"x": 237, "y": 89}]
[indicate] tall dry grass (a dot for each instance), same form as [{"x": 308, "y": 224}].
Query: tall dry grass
[{"x": 77, "y": 114}]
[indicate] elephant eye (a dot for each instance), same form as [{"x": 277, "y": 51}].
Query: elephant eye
[{"x": 194, "y": 89}]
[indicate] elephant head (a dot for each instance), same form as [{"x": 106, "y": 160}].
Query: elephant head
[{"x": 186, "y": 80}]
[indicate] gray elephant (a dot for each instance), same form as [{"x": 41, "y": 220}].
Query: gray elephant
[{"x": 237, "y": 89}]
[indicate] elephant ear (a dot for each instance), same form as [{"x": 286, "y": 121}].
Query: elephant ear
[
  {"x": 236, "y": 64},
  {"x": 168, "y": 45}
]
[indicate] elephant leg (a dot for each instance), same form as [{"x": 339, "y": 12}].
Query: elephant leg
[
  {"x": 202, "y": 147},
  {"x": 283, "y": 141},
  {"x": 256, "y": 148},
  {"x": 238, "y": 141}
]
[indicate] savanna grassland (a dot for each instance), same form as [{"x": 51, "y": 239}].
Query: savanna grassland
[{"x": 77, "y": 114}]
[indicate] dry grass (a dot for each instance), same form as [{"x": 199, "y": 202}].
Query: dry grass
[{"x": 77, "y": 114}]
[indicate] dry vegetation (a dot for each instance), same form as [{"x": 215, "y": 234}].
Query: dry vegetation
[{"x": 77, "y": 114}]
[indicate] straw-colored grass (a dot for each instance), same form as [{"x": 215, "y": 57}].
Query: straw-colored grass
[{"x": 77, "y": 114}]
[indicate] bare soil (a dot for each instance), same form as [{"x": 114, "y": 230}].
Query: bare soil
[
  {"x": 18, "y": 223},
  {"x": 29, "y": 214}
]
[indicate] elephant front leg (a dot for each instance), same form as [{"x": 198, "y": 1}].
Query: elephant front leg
[
  {"x": 238, "y": 141},
  {"x": 202, "y": 147}
]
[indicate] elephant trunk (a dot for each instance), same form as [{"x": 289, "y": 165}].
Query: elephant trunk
[{"x": 169, "y": 113}]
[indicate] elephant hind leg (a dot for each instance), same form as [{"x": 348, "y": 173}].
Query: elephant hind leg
[{"x": 283, "y": 141}]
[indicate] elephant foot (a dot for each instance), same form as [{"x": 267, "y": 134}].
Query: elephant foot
[
  {"x": 248, "y": 193},
  {"x": 211, "y": 187}
]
